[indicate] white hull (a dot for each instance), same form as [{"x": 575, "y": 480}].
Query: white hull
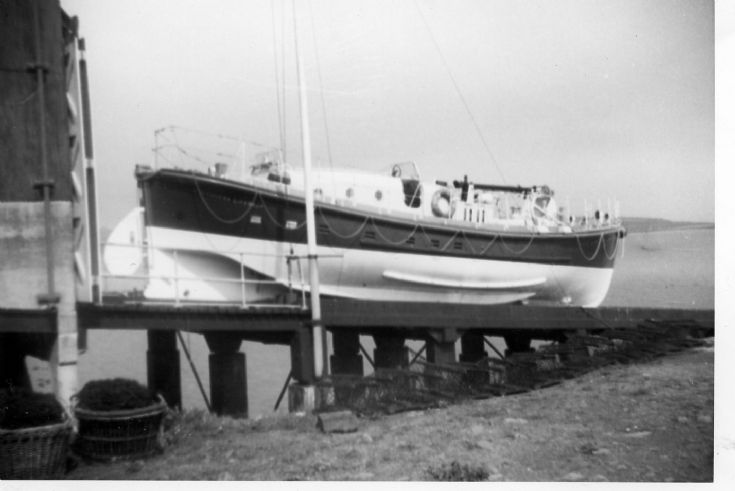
[{"x": 360, "y": 274}]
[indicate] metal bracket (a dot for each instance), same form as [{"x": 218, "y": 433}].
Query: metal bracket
[
  {"x": 48, "y": 298},
  {"x": 41, "y": 184},
  {"x": 33, "y": 67},
  {"x": 448, "y": 335}
]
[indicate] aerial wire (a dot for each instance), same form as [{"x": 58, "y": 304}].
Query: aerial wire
[
  {"x": 283, "y": 77},
  {"x": 278, "y": 83},
  {"x": 459, "y": 92},
  {"x": 321, "y": 85}
]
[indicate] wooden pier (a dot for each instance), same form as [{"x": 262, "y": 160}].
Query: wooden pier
[{"x": 441, "y": 326}]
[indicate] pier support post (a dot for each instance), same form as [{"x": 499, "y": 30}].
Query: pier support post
[
  {"x": 390, "y": 351},
  {"x": 164, "y": 367},
  {"x": 307, "y": 394},
  {"x": 13, "y": 371},
  {"x": 346, "y": 359},
  {"x": 517, "y": 343},
  {"x": 302, "y": 356},
  {"x": 440, "y": 352},
  {"x": 473, "y": 347},
  {"x": 227, "y": 375},
  {"x": 14, "y": 347},
  {"x": 473, "y": 350},
  {"x": 440, "y": 346}
]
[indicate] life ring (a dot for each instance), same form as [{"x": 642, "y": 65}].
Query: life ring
[
  {"x": 396, "y": 171},
  {"x": 440, "y": 203}
]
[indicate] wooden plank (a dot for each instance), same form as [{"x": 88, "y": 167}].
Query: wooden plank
[
  {"x": 28, "y": 321},
  {"x": 196, "y": 319},
  {"x": 363, "y": 314}
]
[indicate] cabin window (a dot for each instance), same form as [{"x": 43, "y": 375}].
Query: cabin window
[
  {"x": 412, "y": 193},
  {"x": 541, "y": 204}
]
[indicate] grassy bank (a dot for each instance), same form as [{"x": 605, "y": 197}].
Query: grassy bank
[{"x": 643, "y": 422}]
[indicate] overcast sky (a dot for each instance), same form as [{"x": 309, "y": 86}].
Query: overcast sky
[{"x": 596, "y": 98}]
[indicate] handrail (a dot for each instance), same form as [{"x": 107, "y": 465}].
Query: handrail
[{"x": 176, "y": 278}]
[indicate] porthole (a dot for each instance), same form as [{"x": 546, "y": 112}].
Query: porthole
[
  {"x": 350, "y": 192},
  {"x": 378, "y": 195}
]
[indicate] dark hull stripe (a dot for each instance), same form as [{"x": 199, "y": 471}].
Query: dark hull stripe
[{"x": 195, "y": 202}]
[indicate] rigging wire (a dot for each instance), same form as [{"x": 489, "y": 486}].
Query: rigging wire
[
  {"x": 321, "y": 85},
  {"x": 459, "y": 92},
  {"x": 283, "y": 79},
  {"x": 278, "y": 82}
]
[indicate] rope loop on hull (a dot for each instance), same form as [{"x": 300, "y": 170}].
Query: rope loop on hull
[{"x": 439, "y": 195}]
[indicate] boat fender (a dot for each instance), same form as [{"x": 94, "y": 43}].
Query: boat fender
[
  {"x": 440, "y": 206},
  {"x": 622, "y": 233}
]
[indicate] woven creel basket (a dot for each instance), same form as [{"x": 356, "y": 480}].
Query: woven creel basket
[
  {"x": 119, "y": 434},
  {"x": 35, "y": 453}
]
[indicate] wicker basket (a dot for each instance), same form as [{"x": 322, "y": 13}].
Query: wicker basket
[
  {"x": 121, "y": 434},
  {"x": 34, "y": 453}
]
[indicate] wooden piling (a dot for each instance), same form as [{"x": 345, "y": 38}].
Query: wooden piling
[
  {"x": 346, "y": 359},
  {"x": 164, "y": 366},
  {"x": 390, "y": 351},
  {"x": 473, "y": 350},
  {"x": 440, "y": 352},
  {"x": 473, "y": 347},
  {"x": 302, "y": 356},
  {"x": 13, "y": 371},
  {"x": 227, "y": 375}
]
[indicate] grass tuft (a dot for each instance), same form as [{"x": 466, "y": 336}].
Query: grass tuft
[{"x": 455, "y": 471}]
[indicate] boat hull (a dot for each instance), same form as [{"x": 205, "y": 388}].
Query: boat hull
[{"x": 371, "y": 255}]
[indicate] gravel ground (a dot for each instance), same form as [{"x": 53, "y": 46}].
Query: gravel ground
[{"x": 647, "y": 422}]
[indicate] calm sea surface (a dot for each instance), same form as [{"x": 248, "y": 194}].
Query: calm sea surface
[{"x": 658, "y": 269}]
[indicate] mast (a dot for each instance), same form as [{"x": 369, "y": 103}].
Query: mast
[{"x": 316, "y": 309}]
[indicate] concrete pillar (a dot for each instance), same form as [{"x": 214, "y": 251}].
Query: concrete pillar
[
  {"x": 440, "y": 352},
  {"x": 307, "y": 394},
  {"x": 390, "y": 351},
  {"x": 473, "y": 350},
  {"x": 307, "y": 398},
  {"x": 227, "y": 375},
  {"x": 473, "y": 347},
  {"x": 346, "y": 358},
  {"x": 517, "y": 343},
  {"x": 302, "y": 356},
  {"x": 164, "y": 366}
]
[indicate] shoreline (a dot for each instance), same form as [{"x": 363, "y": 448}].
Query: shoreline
[{"x": 644, "y": 422}]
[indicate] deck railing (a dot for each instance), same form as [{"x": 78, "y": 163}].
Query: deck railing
[{"x": 113, "y": 285}]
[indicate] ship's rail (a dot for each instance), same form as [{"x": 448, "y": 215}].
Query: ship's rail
[
  {"x": 234, "y": 158},
  {"x": 130, "y": 288}
]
